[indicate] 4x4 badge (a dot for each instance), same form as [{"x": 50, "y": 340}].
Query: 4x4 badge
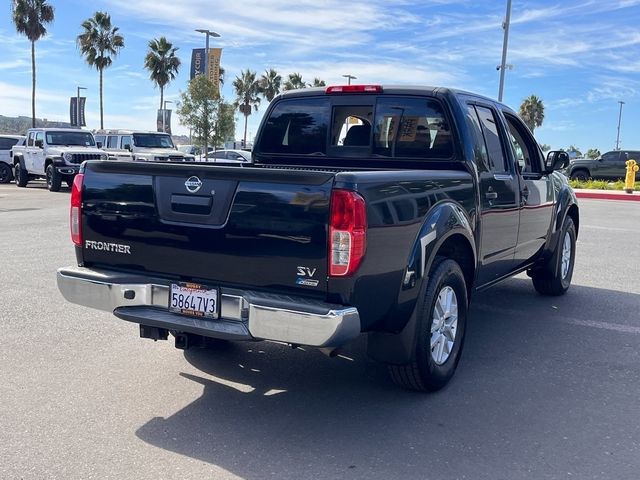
[{"x": 193, "y": 184}]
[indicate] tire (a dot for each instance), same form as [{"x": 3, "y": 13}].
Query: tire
[
  {"x": 432, "y": 366},
  {"x": 554, "y": 278},
  {"x": 21, "y": 175},
  {"x": 54, "y": 179},
  {"x": 581, "y": 175},
  {"x": 6, "y": 175}
]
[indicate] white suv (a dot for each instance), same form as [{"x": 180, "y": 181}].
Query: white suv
[
  {"x": 54, "y": 153},
  {"x": 141, "y": 146}
]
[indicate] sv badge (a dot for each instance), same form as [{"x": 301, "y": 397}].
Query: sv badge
[{"x": 306, "y": 271}]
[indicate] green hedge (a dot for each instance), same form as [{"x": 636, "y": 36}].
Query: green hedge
[{"x": 601, "y": 185}]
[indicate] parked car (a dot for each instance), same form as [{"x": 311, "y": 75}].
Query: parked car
[
  {"x": 609, "y": 166},
  {"x": 194, "y": 150},
  {"x": 55, "y": 154},
  {"x": 368, "y": 209},
  {"x": 230, "y": 157},
  {"x": 7, "y": 142},
  {"x": 140, "y": 146}
]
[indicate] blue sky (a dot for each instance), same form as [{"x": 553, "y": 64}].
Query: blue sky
[{"x": 580, "y": 56}]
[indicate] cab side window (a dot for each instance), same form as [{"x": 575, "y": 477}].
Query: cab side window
[
  {"x": 611, "y": 157},
  {"x": 125, "y": 140},
  {"x": 112, "y": 141}
]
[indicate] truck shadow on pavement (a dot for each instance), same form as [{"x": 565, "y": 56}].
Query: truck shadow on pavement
[{"x": 528, "y": 394}]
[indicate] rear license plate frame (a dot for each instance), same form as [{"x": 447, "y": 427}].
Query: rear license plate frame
[{"x": 195, "y": 300}]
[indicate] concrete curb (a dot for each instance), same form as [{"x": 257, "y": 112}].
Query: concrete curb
[{"x": 607, "y": 195}]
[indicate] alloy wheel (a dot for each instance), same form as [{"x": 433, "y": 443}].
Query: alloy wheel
[{"x": 444, "y": 325}]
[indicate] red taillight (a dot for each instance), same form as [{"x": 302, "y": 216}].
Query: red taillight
[
  {"x": 347, "y": 232},
  {"x": 354, "y": 89},
  {"x": 75, "y": 216}
]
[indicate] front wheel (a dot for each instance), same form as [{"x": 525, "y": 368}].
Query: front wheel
[
  {"x": 54, "y": 180},
  {"x": 554, "y": 278},
  {"x": 441, "y": 328},
  {"x": 580, "y": 175}
]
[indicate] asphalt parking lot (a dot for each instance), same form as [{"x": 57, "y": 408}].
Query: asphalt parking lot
[{"x": 547, "y": 388}]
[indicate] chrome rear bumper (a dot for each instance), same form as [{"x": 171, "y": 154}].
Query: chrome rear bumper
[{"x": 244, "y": 315}]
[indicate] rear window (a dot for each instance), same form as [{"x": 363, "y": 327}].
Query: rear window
[
  {"x": 386, "y": 126},
  {"x": 411, "y": 128},
  {"x": 297, "y": 126}
]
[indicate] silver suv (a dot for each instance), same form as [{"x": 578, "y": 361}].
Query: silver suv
[{"x": 140, "y": 146}]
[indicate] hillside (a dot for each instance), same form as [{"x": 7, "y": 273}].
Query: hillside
[{"x": 19, "y": 125}]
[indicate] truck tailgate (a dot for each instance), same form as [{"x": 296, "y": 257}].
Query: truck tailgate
[{"x": 249, "y": 227}]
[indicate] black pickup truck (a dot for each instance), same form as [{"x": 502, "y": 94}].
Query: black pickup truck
[{"x": 369, "y": 209}]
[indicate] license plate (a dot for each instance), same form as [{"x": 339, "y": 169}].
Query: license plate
[{"x": 193, "y": 299}]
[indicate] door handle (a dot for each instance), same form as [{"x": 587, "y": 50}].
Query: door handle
[{"x": 491, "y": 195}]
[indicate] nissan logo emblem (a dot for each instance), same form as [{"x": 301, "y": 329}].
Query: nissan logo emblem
[{"x": 193, "y": 184}]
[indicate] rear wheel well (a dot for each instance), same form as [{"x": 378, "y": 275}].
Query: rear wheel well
[{"x": 457, "y": 248}]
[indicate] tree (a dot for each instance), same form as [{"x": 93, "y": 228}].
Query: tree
[
  {"x": 30, "y": 18},
  {"x": 318, "y": 83},
  {"x": 247, "y": 96},
  {"x": 98, "y": 42},
  {"x": 532, "y": 112},
  {"x": 162, "y": 63},
  {"x": 294, "y": 81},
  {"x": 593, "y": 153},
  {"x": 210, "y": 118},
  {"x": 575, "y": 150},
  {"x": 545, "y": 147},
  {"x": 270, "y": 84}
]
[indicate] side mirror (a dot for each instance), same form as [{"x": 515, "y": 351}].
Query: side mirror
[
  {"x": 557, "y": 160},
  {"x": 127, "y": 146},
  {"x": 99, "y": 144},
  {"x": 39, "y": 143}
]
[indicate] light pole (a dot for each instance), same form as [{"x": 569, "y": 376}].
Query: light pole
[
  {"x": 78, "y": 105},
  {"x": 164, "y": 113},
  {"x": 503, "y": 64},
  {"x": 619, "y": 120},
  {"x": 208, "y": 33},
  {"x": 349, "y": 78}
]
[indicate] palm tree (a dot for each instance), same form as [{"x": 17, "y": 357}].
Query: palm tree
[
  {"x": 318, "y": 83},
  {"x": 532, "y": 112},
  {"x": 294, "y": 82},
  {"x": 162, "y": 63},
  {"x": 98, "y": 43},
  {"x": 30, "y": 18},
  {"x": 270, "y": 84},
  {"x": 247, "y": 95}
]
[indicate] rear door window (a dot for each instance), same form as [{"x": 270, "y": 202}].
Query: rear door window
[
  {"x": 298, "y": 126},
  {"x": 490, "y": 130},
  {"x": 112, "y": 141},
  {"x": 32, "y": 136}
]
